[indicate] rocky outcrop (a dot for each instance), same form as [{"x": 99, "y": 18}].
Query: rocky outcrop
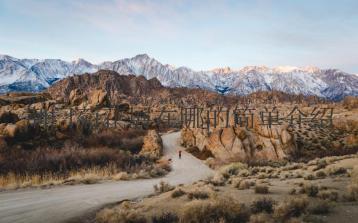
[
  {"x": 102, "y": 86},
  {"x": 20, "y": 131},
  {"x": 241, "y": 144},
  {"x": 76, "y": 97},
  {"x": 23, "y": 98},
  {"x": 153, "y": 144},
  {"x": 98, "y": 98}
]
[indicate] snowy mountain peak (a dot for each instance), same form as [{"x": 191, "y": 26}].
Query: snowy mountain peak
[
  {"x": 222, "y": 70},
  {"x": 36, "y": 75},
  {"x": 285, "y": 69}
]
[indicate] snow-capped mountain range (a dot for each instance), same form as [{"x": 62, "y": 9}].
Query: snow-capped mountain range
[{"x": 36, "y": 75}]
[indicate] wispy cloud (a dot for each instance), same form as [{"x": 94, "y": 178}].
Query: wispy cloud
[{"x": 201, "y": 34}]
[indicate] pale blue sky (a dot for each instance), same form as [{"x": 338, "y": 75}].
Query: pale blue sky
[{"x": 198, "y": 34}]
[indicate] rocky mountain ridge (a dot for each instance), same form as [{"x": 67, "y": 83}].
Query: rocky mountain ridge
[{"x": 36, "y": 75}]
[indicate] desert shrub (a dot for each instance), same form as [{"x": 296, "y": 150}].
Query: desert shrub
[
  {"x": 244, "y": 173},
  {"x": 62, "y": 161},
  {"x": 290, "y": 208},
  {"x": 309, "y": 177},
  {"x": 164, "y": 164},
  {"x": 162, "y": 187},
  {"x": 322, "y": 163},
  {"x": 217, "y": 180},
  {"x": 243, "y": 185},
  {"x": 131, "y": 140},
  {"x": 84, "y": 126},
  {"x": 262, "y": 176},
  {"x": 198, "y": 195},
  {"x": 352, "y": 189},
  {"x": 157, "y": 172},
  {"x": 165, "y": 217},
  {"x": 311, "y": 190},
  {"x": 352, "y": 193},
  {"x": 336, "y": 170},
  {"x": 261, "y": 218},
  {"x": 262, "y": 205},
  {"x": 319, "y": 207},
  {"x": 178, "y": 193},
  {"x": 232, "y": 169},
  {"x": 292, "y": 191},
  {"x": 226, "y": 210},
  {"x": 120, "y": 216},
  {"x": 328, "y": 195},
  {"x": 321, "y": 174},
  {"x": 261, "y": 189}
]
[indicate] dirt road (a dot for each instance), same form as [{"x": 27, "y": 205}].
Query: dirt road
[{"x": 60, "y": 204}]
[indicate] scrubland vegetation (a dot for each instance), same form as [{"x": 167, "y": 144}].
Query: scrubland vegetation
[
  {"x": 106, "y": 155},
  {"x": 286, "y": 192}
]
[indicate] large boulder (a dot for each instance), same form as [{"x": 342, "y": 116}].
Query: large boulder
[
  {"x": 153, "y": 144},
  {"x": 10, "y": 131},
  {"x": 20, "y": 131},
  {"x": 98, "y": 98},
  {"x": 76, "y": 97},
  {"x": 231, "y": 143}
]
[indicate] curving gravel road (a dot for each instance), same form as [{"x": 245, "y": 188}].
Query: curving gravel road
[{"x": 61, "y": 204}]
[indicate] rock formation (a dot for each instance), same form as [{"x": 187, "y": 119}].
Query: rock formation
[
  {"x": 241, "y": 144},
  {"x": 153, "y": 144}
]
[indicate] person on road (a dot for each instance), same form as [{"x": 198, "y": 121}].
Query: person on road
[{"x": 179, "y": 154}]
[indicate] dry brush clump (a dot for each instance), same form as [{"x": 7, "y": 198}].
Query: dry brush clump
[
  {"x": 318, "y": 207},
  {"x": 199, "y": 195},
  {"x": 352, "y": 189},
  {"x": 165, "y": 217},
  {"x": 220, "y": 210},
  {"x": 120, "y": 215},
  {"x": 290, "y": 208},
  {"x": 178, "y": 193},
  {"x": 162, "y": 187},
  {"x": 261, "y": 189},
  {"x": 263, "y": 205}
]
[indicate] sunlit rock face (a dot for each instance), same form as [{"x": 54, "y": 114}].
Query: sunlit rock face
[{"x": 241, "y": 144}]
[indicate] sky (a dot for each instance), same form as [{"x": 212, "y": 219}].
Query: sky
[{"x": 198, "y": 34}]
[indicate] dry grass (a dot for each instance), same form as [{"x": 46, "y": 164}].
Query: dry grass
[
  {"x": 261, "y": 218},
  {"x": 165, "y": 217},
  {"x": 178, "y": 193},
  {"x": 290, "y": 208},
  {"x": 328, "y": 195},
  {"x": 120, "y": 216},
  {"x": 319, "y": 207},
  {"x": 222, "y": 210},
  {"x": 263, "y": 205},
  {"x": 352, "y": 189},
  {"x": 261, "y": 189},
  {"x": 100, "y": 156},
  {"x": 199, "y": 195},
  {"x": 311, "y": 190},
  {"x": 162, "y": 187}
]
